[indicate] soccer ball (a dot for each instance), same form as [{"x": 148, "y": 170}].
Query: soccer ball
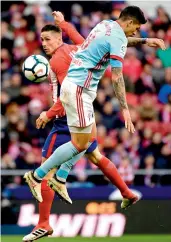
[{"x": 36, "y": 68}]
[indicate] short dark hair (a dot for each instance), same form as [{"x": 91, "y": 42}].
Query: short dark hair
[
  {"x": 51, "y": 27},
  {"x": 133, "y": 12}
]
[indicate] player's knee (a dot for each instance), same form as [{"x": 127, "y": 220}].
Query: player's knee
[
  {"x": 80, "y": 140},
  {"x": 95, "y": 156},
  {"x": 82, "y": 147}
]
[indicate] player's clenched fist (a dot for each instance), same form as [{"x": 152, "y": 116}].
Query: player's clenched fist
[
  {"x": 58, "y": 17},
  {"x": 128, "y": 122}
]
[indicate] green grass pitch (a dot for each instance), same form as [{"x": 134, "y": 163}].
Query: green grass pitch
[{"x": 125, "y": 238}]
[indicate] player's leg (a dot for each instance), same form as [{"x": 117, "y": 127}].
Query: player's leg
[
  {"x": 57, "y": 183},
  {"x": 106, "y": 166},
  {"x": 111, "y": 172},
  {"x": 48, "y": 197},
  {"x": 79, "y": 142},
  {"x": 62, "y": 154},
  {"x": 81, "y": 114},
  {"x": 43, "y": 227},
  {"x": 58, "y": 136},
  {"x": 63, "y": 172},
  {"x": 80, "y": 118}
]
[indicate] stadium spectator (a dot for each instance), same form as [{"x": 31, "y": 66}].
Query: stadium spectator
[
  {"x": 165, "y": 90},
  {"x": 147, "y": 111},
  {"x": 126, "y": 171}
]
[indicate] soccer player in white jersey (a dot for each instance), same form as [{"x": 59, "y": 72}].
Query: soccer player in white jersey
[{"x": 106, "y": 44}]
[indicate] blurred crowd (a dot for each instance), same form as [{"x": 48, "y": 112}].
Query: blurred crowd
[{"x": 147, "y": 74}]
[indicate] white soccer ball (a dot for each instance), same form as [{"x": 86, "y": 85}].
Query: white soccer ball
[{"x": 36, "y": 68}]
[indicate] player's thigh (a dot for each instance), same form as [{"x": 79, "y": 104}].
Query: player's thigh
[
  {"x": 94, "y": 132},
  {"x": 57, "y": 137},
  {"x": 80, "y": 140},
  {"x": 49, "y": 144}
]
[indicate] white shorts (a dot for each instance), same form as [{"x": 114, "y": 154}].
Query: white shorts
[{"x": 78, "y": 104}]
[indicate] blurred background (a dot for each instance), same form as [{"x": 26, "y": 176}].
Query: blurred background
[{"x": 143, "y": 159}]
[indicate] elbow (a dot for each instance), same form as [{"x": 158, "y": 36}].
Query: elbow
[
  {"x": 116, "y": 74},
  {"x": 115, "y": 77}
]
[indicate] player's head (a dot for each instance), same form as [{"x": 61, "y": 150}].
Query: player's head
[
  {"x": 132, "y": 17},
  {"x": 51, "y": 37}
]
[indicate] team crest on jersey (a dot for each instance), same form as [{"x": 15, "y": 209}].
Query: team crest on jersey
[{"x": 123, "y": 50}]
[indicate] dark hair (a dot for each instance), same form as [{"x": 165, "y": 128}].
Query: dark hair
[
  {"x": 133, "y": 12},
  {"x": 50, "y": 27}
]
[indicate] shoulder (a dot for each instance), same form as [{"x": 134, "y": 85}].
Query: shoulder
[
  {"x": 53, "y": 59},
  {"x": 118, "y": 33},
  {"x": 70, "y": 47}
]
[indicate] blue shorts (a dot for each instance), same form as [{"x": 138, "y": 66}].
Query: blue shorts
[{"x": 58, "y": 136}]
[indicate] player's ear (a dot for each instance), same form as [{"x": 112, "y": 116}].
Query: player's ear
[
  {"x": 59, "y": 36},
  {"x": 129, "y": 23}
]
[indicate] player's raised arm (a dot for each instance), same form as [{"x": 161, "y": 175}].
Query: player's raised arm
[
  {"x": 151, "y": 42},
  {"x": 67, "y": 28}
]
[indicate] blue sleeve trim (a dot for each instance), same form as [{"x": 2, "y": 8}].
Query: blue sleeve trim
[{"x": 115, "y": 63}]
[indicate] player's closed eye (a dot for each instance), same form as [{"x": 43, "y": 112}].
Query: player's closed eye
[{"x": 45, "y": 39}]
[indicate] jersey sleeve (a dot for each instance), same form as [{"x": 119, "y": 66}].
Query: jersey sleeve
[
  {"x": 115, "y": 63},
  {"x": 56, "y": 109},
  {"x": 59, "y": 71},
  {"x": 71, "y": 32},
  {"x": 117, "y": 49}
]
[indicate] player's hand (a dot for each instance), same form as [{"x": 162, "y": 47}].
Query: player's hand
[
  {"x": 128, "y": 122},
  {"x": 154, "y": 42},
  {"x": 42, "y": 120},
  {"x": 58, "y": 17}
]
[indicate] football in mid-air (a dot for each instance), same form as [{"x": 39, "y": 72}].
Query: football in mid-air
[{"x": 36, "y": 68}]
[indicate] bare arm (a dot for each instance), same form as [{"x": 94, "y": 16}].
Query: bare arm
[
  {"x": 119, "y": 86},
  {"x": 120, "y": 92},
  {"x": 132, "y": 41},
  {"x": 151, "y": 42}
]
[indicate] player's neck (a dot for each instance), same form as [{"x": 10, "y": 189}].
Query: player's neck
[
  {"x": 122, "y": 24},
  {"x": 60, "y": 44}
]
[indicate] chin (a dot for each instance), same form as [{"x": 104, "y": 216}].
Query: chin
[
  {"x": 128, "y": 35},
  {"x": 48, "y": 54}
]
